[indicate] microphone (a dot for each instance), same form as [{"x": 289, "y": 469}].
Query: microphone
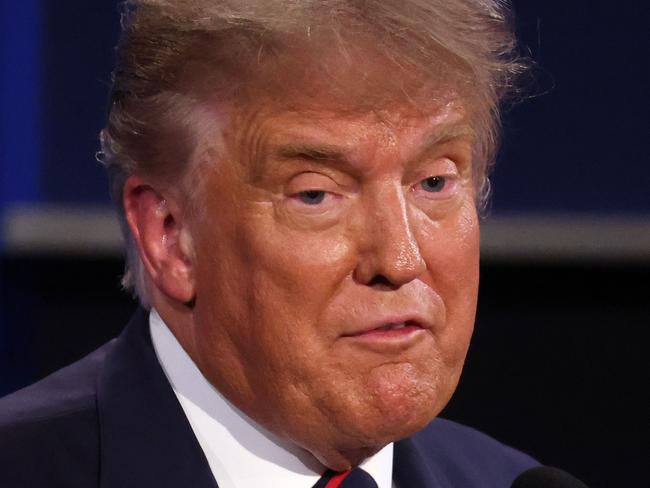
[{"x": 546, "y": 477}]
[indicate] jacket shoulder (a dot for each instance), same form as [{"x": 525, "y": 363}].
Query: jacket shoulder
[
  {"x": 49, "y": 430},
  {"x": 471, "y": 458}
]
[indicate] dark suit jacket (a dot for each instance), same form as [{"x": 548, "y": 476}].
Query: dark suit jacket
[{"x": 112, "y": 420}]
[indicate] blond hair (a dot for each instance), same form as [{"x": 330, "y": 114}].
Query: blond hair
[{"x": 170, "y": 48}]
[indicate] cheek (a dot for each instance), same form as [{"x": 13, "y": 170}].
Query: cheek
[
  {"x": 276, "y": 283},
  {"x": 267, "y": 287},
  {"x": 452, "y": 252},
  {"x": 298, "y": 268}
]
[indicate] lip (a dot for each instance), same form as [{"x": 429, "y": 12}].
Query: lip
[
  {"x": 379, "y": 339},
  {"x": 389, "y": 327}
]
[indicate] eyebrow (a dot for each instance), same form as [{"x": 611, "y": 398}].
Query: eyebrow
[
  {"x": 312, "y": 151},
  {"x": 446, "y": 134},
  {"x": 339, "y": 155}
]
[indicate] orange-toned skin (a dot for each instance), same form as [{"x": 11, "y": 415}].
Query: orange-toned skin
[{"x": 283, "y": 289}]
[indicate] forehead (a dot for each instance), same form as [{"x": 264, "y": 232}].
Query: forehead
[
  {"x": 351, "y": 130},
  {"x": 355, "y": 138},
  {"x": 321, "y": 99}
]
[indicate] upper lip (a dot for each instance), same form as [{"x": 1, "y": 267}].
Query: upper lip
[{"x": 410, "y": 319}]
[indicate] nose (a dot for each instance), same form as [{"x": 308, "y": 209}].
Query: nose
[{"x": 389, "y": 255}]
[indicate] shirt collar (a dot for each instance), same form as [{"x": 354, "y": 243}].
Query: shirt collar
[{"x": 241, "y": 453}]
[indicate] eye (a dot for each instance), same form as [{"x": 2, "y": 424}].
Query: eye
[
  {"x": 311, "y": 197},
  {"x": 433, "y": 184}
]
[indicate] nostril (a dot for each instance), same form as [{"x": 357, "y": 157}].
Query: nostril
[{"x": 380, "y": 281}]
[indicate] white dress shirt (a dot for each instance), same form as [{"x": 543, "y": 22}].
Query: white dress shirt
[{"x": 241, "y": 453}]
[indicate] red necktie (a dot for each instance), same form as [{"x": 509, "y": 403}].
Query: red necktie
[{"x": 355, "y": 478}]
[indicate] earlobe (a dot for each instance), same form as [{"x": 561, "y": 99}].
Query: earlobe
[{"x": 164, "y": 243}]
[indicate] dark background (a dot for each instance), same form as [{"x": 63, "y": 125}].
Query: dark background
[{"x": 558, "y": 364}]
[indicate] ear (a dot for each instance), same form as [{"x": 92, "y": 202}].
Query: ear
[{"x": 163, "y": 238}]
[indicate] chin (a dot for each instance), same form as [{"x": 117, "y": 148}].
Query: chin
[
  {"x": 389, "y": 416},
  {"x": 405, "y": 398},
  {"x": 383, "y": 404},
  {"x": 397, "y": 420},
  {"x": 362, "y": 434}
]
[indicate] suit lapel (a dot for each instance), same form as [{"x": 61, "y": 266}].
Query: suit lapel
[
  {"x": 145, "y": 438},
  {"x": 412, "y": 468}
]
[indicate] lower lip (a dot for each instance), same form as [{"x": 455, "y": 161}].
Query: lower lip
[
  {"x": 388, "y": 340},
  {"x": 390, "y": 333}
]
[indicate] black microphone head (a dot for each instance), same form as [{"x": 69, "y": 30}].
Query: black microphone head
[{"x": 546, "y": 477}]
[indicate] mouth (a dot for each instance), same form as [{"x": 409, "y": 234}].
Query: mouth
[{"x": 392, "y": 329}]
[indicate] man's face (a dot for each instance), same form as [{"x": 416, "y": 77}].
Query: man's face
[{"x": 336, "y": 268}]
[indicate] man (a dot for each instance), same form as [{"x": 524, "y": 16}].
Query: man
[{"x": 299, "y": 184}]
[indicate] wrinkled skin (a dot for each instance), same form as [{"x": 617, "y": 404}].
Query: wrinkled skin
[{"x": 315, "y": 227}]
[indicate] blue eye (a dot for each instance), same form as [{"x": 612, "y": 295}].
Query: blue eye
[
  {"x": 311, "y": 197},
  {"x": 433, "y": 184}
]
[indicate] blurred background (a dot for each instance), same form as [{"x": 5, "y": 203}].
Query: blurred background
[{"x": 559, "y": 361}]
